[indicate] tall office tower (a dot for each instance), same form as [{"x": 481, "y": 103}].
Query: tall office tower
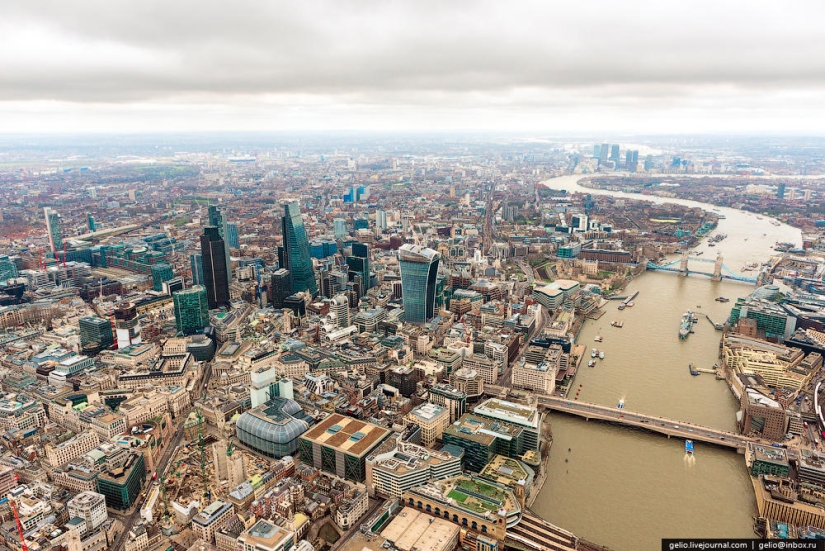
[
  {"x": 648, "y": 162},
  {"x": 807, "y": 195},
  {"x": 217, "y": 218},
  {"x": 419, "y": 269},
  {"x": 340, "y": 228},
  {"x": 780, "y": 191},
  {"x": 95, "y": 330},
  {"x": 359, "y": 263},
  {"x": 604, "y": 151},
  {"x": 91, "y": 221},
  {"x": 232, "y": 235},
  {"x": 597, "y": 151},
  {"x": 127, "y": 327},
  {"x": 614, "y": 153},
  {"x": 340, "y": 305},
  {"x": 296, "y": 251},
  {"x": 160, "y": 273},
  {"x": 215, "y": 277},
  {"x": 381, "y": 215},
  {"x": 281, "y": 285},
  {"x": 196, "y": 265},
  {"x": 325, "y": 278},
  {"x": 53, "y": 227},
  {"x": 92, "y": 193},
  {"x": 191, "y": 310}
]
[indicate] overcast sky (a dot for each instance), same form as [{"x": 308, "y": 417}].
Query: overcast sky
[{"x": 662, "y": 66}]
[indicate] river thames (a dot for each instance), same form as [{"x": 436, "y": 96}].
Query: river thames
[{"x": 627, "y": 489}]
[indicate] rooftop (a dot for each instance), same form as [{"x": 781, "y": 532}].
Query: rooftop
[{"x": 346, "y": 434}]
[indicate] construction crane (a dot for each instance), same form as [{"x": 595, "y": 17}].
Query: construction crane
[
  {"x": 163, "y": 489},
  {"x": 230, "y": 449},
  {"x": 23, "y": 545}
]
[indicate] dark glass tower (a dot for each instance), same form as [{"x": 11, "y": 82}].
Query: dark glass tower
[
  {"x": 217, "y": 218},
  {"x": 419, "y": 270},
  {"x": 359, "y": 263},
  {"x": 296, "y": 251},
  {"x": 215, "y": 278}
]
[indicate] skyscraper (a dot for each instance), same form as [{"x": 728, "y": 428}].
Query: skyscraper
[
  {"x": 217, "y": 218},
  {"x": 359, "y": 263},
  {"x": 191, "y": 310},
  {"x": 603, "y": 152},
  {"x": 232, "y": 235},
  {"x": 597, "y": 151},
  {"x": 340, "y": 305},
  {"x": 340, "y": 228},
  {"x": 160, "y": 273},
  {"x": 381, "y": 215},
  {"x": 614, "y": 153},
  {"x": 296, "y": 251},
  {"x": 53, "y": 227},
  {"x": 196, "y": 265},
  {"x": 95, "y": 330},
  {"x": 215, "y": 276},
  {"x": 780, "y": 191},
  {"x": 281, "y": 287},
  {"x": 419, "y": 269},
  {"x": 91, "y": 221}
]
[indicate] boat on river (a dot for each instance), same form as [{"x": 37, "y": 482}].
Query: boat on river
[
  {"x": 601, "y": 354},
  {"x": 722, "y": 299},
  {"x": 689, "y": 447},
  {"x": 591, "y": 363},
  {"x": 687, "y": 325},
  {"x": 598, "y": 338},
  {"x": 618, "y": 324},
  {"x": 621, "y": 404},
  {"x": 593, "y": 353}
]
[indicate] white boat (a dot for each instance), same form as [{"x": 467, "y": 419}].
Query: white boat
[
  {"x": 591, "y": 363},
  {"x": 593, "y": 353},
  {"x": 601, "y": 355},
  {"x": 598, "y": 338},
  {"x": 621, "y": 403},
  {"x": 630, "y": 304}
]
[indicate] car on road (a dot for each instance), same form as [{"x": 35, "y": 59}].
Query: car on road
[{"x": 675, "y": 426}]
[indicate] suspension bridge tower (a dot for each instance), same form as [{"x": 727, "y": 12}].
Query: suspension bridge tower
[
  {"x": 717, "y": 268},
  {"x": 683, "y": 266}
]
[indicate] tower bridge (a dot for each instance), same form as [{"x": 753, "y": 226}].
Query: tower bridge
[{"x": 682, "y": 267}]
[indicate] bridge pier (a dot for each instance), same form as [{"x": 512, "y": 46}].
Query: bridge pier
[{"x": 683, "y": 266}]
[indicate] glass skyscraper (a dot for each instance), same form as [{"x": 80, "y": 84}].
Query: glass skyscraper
[
  {"x": 53, "y": 227},
  {"x": 215, "y": 276},
  {"x": 339, "y": 228},
  {"x": 296, "y": 251},
  {"x": 191, "y": 310},
  {"x": 232, "y": 235},
  {"x": 160, "y": 273},
  {"x": 217, "y": 218},
  {"x": 359, "y": 263},
  {"x": 196, "y": 265},
  {"x": 96, "y": 330},
  {"x": 419, "y": 271}
]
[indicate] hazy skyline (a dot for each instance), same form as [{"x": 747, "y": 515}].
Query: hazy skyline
[{"x": 628, "y": 66}]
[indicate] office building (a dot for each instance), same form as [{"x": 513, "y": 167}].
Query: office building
[
  {"x": 90, "y": 220},
  {"x": 432, "y": 419},
  {"x": 217, "y": 218},
  {"x": 95, "y": 330},
  {"x": 273, "y": 428},
  {"x": 232, "y": 235},
  {"x": 339, "y": 305},
  {"x": 340, "y": 446},
  {"x": 161, "y": 273},
  {"x": 381, "y": 217},
  {"x": 398, "y": 466},
  {"x": 540, "y": 377},
  {"x": 215, "y": 275},
  {"x": 419, "y": 269},
  {"x": 482, "y": 438},
  {"x": 296, "y": 251},
  {"x": 280, "y": 287},
  {"x": 359, "y": 264},
  {"x": 191, "y": 310},
  {"x": 266, "y": 536},
  {"x": 597, "y": 150},
  {"x": 127, "y": 326},
  {"x": 614, "y": 153},
  {"x": 89, "y": 506},
  {"x": 604, "y": 151},
  {"x": 339, "y": 228},
  {"x": 454, "y": 400},
  {"x": 196, "y": 266},
  {"x": 207, "y": 522},
  {"x": 53, "y": 228},
  {"x": 122, "y": 485}
]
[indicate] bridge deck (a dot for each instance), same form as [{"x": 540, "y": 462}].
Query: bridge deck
[{"x": 662, "y": 425}]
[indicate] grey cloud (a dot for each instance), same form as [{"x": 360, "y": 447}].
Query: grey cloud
[{"x": 399, "y": 52}]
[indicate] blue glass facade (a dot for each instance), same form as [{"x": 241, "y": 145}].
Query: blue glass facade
[
  {"x": 419, "y": 271},
  {"x": 196, "y": 265},
  {"x": 296, "y": 251}
]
